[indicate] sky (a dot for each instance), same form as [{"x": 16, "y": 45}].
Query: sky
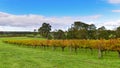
[{"x": 27, "y": 15}]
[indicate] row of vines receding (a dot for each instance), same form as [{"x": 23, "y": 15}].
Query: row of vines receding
[{"x": 73, "y": 45}]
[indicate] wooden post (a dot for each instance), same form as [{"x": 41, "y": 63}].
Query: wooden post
[{"x": 118, "y": 54}]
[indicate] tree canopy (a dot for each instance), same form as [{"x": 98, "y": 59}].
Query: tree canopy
[
  {"x": 45, "y": 29},
  {"x": 79, "y": 30}
]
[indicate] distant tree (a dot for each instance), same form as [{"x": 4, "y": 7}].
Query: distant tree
[
  {"x": 45, "y": 30},
  {"x": 82, "y": 34},
  {"x": 91, "y": 27},
  {"x": 103, "y": 33},
  {"x": 102, "y": 28},
  {"x": 80, "y": 25},
  {"x": 92, "y": 31},
  {"x": 35, "y": 32},
  {"x": 81, "y": 30},
  {"x": 59, "y": 34},
  {"x": 118, "y": 32},
  {"x": 112, "y": 36},
  {"x": 71, "y": 33},
  {"x": 49, "y": 37}
]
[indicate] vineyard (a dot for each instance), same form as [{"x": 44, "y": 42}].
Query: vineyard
[{"x": 73, "y": 45}]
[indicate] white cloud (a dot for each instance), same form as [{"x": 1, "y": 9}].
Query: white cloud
[
  {"x": 110, "y": 24},
  {"x": 91, "y": 17},
  {"x": 116, "y": 11},
  {"x": 114, "y": 1},
  {"x": 32, "y": 21},
  {"x": 11, "y": 22}
]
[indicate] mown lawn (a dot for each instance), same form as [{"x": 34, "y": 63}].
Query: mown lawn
[{"x": 12, "y": 56}]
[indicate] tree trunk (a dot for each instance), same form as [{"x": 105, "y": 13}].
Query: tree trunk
[
  {"x": 44, "y": 47},
  {"x": 63, "y": 49},
  {"x": 75, "y": 49},
  {"x": 100, "y": 55},
  {"x": 91, "y": 51},
  {"x": 118, "y": 54},
  {"x": 105, "y": 52},
  {"x": 54, "y": 48},
  {"x": 71, "y": 49}
]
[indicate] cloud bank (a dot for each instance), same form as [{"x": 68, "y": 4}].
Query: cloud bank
[
  {"x": 114, "y": 1},
  {"x": 116, "y": 11},
  {"x": 111, "y": 24},
  {"x": 31, "y": 21}
]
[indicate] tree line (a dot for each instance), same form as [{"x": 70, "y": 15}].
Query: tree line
[{"x": 79, "y": 30}]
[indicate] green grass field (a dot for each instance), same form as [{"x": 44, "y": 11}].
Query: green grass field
[{"x": 12, "y": 56}]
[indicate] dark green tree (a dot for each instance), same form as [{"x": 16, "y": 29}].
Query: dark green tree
[
  {"x": 102, "y": 33},
  {"x": 92, "y": 31},
  {"x": 35, "y": 32},
  {"x": 81, "y": 30},
  {"x": 44, "y": 30},
  {"x": 118, "y": 32},
  {"x": 71, "y": 33},
  {"x": 59, "y": 34}
]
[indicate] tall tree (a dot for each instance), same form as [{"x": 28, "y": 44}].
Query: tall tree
[
  {"x": 91, "y": 27},
  {"x": 92, "y": 31},
  {"x": 102, "y": 33},
  {"x": 118, "y": 32},
  {"x": 78, "y": 30},
  {"x": 35, "y": 32},
  {"x": 45, "y": 30},
  {"x": 59, "y": 34},
  {"x": 71, "y": 33}
]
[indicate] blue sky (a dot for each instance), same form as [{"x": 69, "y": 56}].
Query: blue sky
[
  {"x": 19, "y": 14},
  {"x": 56, "y": 7}
]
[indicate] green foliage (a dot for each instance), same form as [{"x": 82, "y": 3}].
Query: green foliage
[
  {"x": 80, "y": 30},
  {"x": 45, "y": 29},
  {"x": 59, "y": 34},
  {"x": 118, "y": 32}
]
